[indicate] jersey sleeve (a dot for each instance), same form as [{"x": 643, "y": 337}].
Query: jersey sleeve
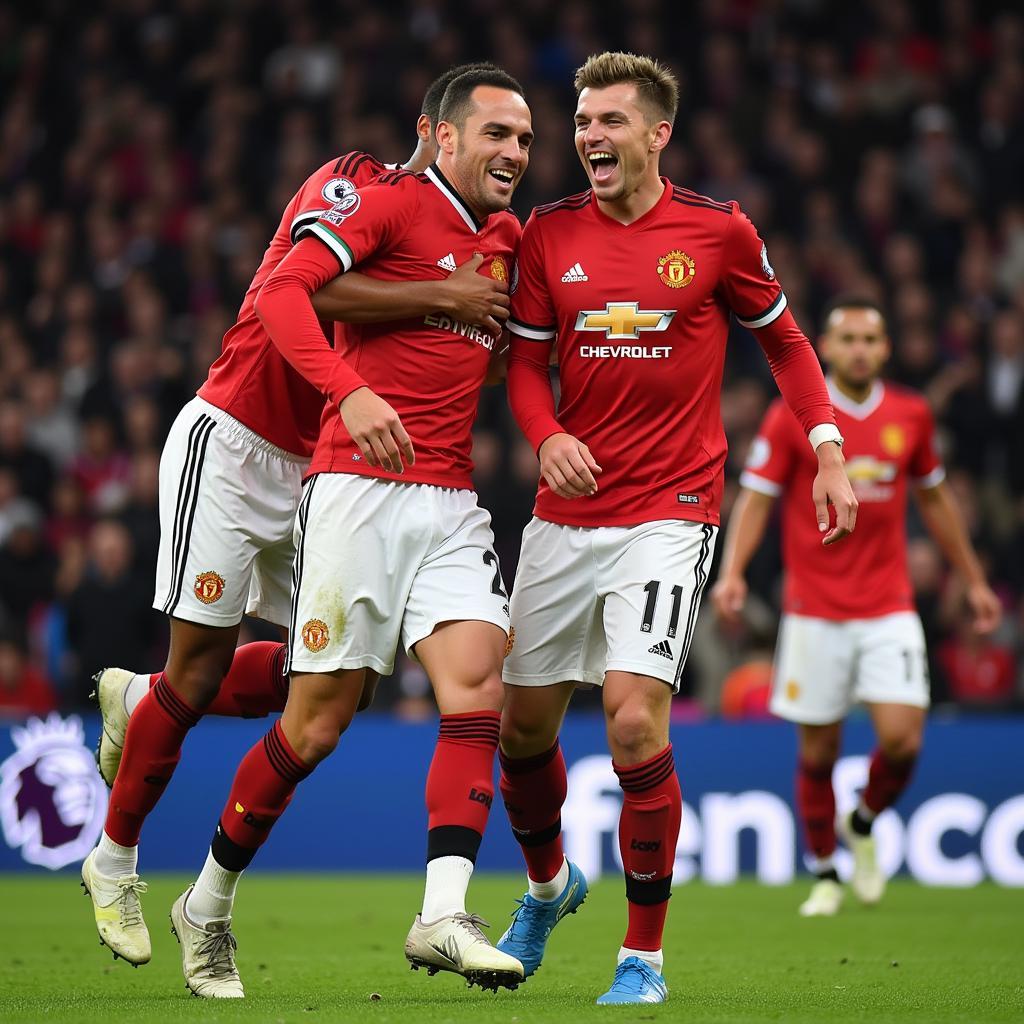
[
  {"x": 328, "y": 185},
  {"x": 755, "y": 296},
  {"x": 366, "y": 221},
  {"x": 926, "y": 469},
  {"x": 772, "y": 457},
  {"x": 533, "y": 313}
]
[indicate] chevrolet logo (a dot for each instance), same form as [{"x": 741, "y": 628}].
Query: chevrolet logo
[{"x": 621, "y": 320}]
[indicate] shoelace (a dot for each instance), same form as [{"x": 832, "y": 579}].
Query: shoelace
[
  {"x": 473, "y": 923},
  {"x": 631, "y": 976},
  {"x": 531, "y": 924},
  {"x": 131, "y": 888},
  {"x": 219, "y": 951}
]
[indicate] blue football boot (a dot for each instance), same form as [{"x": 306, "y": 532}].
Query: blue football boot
[
  {"x": 533, "y": 921},
  {"x": 635, "y": 982}
]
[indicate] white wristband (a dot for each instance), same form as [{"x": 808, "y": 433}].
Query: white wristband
[{"x": 824, "y": 432}]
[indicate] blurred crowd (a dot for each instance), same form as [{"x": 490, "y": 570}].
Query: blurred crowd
[{"x": 147, "y": 149}]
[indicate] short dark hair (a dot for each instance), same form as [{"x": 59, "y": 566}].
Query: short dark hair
[
  {"x": 849, "y": 302},
  {"x": 457, "y": 102},
  {"x": 435, "y": 91}
]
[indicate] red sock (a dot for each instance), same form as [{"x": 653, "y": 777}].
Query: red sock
[
  {"x": 816, "y": 805},
  {"x": 255, "y": 685},
  {"x": 533, "y": 789},
  {"x": 648, "y": 829},
  {"x": 460, "y": 784},
  {"x": 152, "y": 748},
  {"x": 886, "y": 781},
  {"x": 262, "y": 790}
]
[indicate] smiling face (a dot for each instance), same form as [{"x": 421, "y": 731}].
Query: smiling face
[
  {"x": 855, "y": 345},
  {"x": 486, "y": 156},
  {"x": 618, "y": 141}
]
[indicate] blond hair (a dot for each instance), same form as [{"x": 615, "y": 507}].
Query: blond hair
[{"x": 656, "y": 87}]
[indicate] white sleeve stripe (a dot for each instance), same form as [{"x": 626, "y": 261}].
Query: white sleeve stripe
[
  {"x": 753, "y": 482},
  {"x": 533, "y": 333},
  {"x": 308, "y": 217},
  {"x": 334, "y": 244},
  {"x": 933, "y": 479},
  {"x": 772, "y": 314}
]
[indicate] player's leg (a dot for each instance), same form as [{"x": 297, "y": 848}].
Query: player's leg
[
  {"x": 456, "y": 625},
  {"x": 813, "y": 688},
  {"x": 319, "y": 709},
  {"x": 816, "y": 809},
  {"x": 893, "y": 683},
  {"x": 557, "y": 636},
  {"x": 341, "y": 583},
  {"x": 463, "y": 661},
  {"x": 533, "y": 788}
]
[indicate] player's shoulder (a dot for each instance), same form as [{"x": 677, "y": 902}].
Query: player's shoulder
[
  {"x": 342, "y": 174},
  {"x": 714, "y": 208},
  {"x": 566, "y": 207}
]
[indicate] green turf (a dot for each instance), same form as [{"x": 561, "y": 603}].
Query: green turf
[{"x": 322, "y": 949}]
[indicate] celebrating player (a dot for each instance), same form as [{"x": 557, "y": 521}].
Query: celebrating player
[
  {"x": 850, "y": 632},
  {"x": 635, "y": 278},
  {"x": 230, "y": 480},
  {"x": 391, "y": 544}
]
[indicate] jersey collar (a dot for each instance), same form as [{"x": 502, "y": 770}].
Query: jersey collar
[
  {"x": 653, "y": 213},
  {"x": 453, "y": 197},
  {"x": 858, "y": 410}
]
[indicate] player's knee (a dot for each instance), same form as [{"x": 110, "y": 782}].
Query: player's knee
[
  {"x": 317, "y": 740},
  {"x": 523, "y": 735},
  {"x": 487, "y": 691},
  {"x": 634, "y": 731},
  {"x": 901, "y": 747},
  {"x": 198, "y": 685}
]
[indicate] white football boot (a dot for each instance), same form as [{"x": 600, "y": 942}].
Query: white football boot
[
  {"x": 111, "y": 684},
  {"x": 825, "y": 899},
  {"x": 455, "y": 943},
  {"x": 207, "y": 955},
  {"x": 118, "y": 912},
  {"x": 867, "y": 880}
]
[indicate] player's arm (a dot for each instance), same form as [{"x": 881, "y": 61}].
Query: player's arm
[
  {"x": 944, "y": 522},
  {"x": 565, "y": 461},
  {"x": 497, "y": 368},
  {"x": 284, "y": 307},
  {"x": 747, "y": 524},
  {"x": 760, "y": 305},
  {"x": 464, "y": 295}
]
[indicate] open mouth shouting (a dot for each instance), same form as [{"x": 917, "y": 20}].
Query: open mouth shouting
[
  {"x": 504, "y": 176},
  {"x": 602, "y": 165}
]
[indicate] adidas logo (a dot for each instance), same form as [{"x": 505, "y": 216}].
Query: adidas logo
[
  {"x": 661, "y": 648},
  {"x": 575, "y": 275},
  {"x": 447, "y": 262}
]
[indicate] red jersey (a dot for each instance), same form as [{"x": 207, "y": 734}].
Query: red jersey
[
  {"x": 250, "y": 379},
  {"x": 889, "y": 440},
  {"x": 405, "y": 227},
  {"x": 641, "y": 317}
]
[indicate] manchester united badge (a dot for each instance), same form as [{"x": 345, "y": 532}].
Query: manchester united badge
[
  {"x": 209, "y": 587},
  {"x": 676, "y": 269}
]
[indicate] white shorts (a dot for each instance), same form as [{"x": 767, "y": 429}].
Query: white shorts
[
  {"x": 824, "y": 667},
  {"x": 378, "y": 562},
  {"x": 588, "y": 600},
  {"x": 227, "y": 510}
]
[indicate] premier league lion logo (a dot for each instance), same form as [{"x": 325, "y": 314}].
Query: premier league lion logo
[{"x": 52, "y": 800}]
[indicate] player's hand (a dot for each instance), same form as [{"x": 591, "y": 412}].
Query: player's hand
[
  {"x": 985, "y": 606},
  {"x": 474, "y": 298},
  {"x": 568, "y": 466},
  {"x": 378, "y": 431},
  {"x": 728, "y": 596},
  {"x": 832, "y": 487}
]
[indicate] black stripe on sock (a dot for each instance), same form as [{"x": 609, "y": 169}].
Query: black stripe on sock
[
  {"x": 228, "y": 854},
  {"x": 542, "y": 837},
  {"x": 648, "y": 893},
  {"x": 453, "y": 841},
  {"x": 523, "y": 765}
]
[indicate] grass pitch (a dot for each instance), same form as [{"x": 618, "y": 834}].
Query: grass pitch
[{"x": 330, "y": 949}]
